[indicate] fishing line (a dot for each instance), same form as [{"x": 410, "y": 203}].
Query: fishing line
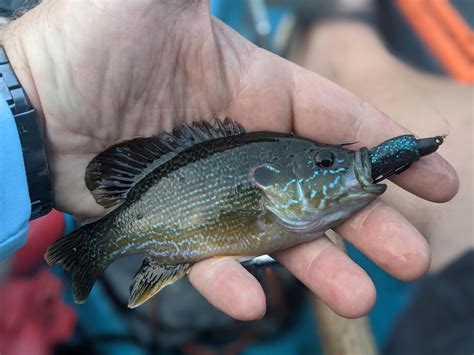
[{"x": 430, "y": 103}]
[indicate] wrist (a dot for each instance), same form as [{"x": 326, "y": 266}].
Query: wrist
[
  {"x": 12, "y": 38},
  {"x": 30, "y": 135}
]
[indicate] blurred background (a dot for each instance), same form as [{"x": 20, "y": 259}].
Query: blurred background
[{"x": 414, "y": 59}]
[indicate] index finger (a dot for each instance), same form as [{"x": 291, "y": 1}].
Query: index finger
[{"x": 328, "y": 113}]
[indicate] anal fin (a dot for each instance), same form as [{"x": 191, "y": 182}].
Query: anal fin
[{"x": 151, "y": 278}]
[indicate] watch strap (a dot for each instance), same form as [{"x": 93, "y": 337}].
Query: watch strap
[{"x": 34, "y": 156}]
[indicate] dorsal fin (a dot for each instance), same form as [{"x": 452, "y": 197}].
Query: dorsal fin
[{"x": 111, "y": 174}]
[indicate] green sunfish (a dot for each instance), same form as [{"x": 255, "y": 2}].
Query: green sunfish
[{"x": 209, "y": 190}]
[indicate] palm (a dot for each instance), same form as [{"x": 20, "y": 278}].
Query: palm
[
  {"x": 150, "y": 81},
  {"x": 137, "y": 68}
]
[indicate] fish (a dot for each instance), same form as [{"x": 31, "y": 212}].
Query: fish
[
  {"x": 389, "y": 158},
  {"x": 210, "y": 190}
]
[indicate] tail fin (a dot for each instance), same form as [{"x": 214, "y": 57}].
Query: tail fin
[{"x": 82, "y": 253}]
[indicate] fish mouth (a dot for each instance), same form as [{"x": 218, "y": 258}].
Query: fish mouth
[{"x": 363, "y": 173}]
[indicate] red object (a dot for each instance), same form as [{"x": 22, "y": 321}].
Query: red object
[
  {"x": 42, "y": 233},
  {"x": 33, "y": 315}
]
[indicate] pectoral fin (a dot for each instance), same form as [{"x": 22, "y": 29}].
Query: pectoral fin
[{"x": 151, "y": 278}]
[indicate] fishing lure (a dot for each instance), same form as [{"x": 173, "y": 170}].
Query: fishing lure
[{"x": 210, "y": 190}]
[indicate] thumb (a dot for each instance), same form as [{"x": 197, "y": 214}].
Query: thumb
[{"x": 328, "y": 113}]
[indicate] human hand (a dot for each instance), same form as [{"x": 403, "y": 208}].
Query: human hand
[
  {"x": 424, "y": 103},
  {"x": 100, "y": 72}
]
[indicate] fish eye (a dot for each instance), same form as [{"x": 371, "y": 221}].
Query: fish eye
[{"x": 324, "y": 159}]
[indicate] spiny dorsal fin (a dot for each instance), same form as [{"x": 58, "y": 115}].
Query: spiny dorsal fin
[
  {"x": 111, "y": 174},
  {"x": 151, "y": 278}
]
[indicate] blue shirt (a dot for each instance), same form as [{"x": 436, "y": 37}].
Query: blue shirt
[{"x": 15, "y": 206}]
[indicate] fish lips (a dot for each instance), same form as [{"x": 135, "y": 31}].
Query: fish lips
[{"x": 363, "y": 173}]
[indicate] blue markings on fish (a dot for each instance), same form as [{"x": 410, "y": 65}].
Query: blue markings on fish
[{"x": 209, "y": 190}]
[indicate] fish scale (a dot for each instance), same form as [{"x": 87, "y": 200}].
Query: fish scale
[
  {"x": 202, "y": 189},
  {"x": 177, "y": 211},
  {"x": 208, "y": 191}
]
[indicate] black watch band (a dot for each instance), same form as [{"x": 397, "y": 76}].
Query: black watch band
[{"x": 34, "y": 156}]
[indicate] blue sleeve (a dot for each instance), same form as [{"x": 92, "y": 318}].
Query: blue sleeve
[{"x": 15, "y": 207}]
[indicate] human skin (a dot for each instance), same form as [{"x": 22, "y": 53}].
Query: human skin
[
  {"x": 425, "y": 103},
  {"x": 104, "y": 71}
]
